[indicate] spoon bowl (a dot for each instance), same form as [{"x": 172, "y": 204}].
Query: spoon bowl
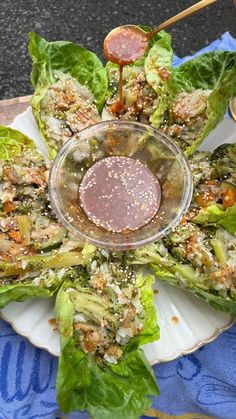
[{"x": 126, "y": 44}]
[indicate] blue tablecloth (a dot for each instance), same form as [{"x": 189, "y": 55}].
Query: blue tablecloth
[{"x": 201, "y": 383}]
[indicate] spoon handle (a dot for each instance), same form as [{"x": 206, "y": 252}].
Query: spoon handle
[{"x": 187, "y": 12}]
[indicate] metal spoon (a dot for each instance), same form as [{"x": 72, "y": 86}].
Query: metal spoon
[
  {"x": 232, "y": 107},
  {"x": 127, "y": 43}
]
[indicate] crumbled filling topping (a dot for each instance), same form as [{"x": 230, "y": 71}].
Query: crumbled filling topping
[
  {"x": 140, "y": 99},
  {"x": 27, "y": 225},
  {"x": 109, "y": 311},
  {"x": 209, "y": 249},
  {"x": 186, "y": 119},
  {"x": 66, "y": 109}
]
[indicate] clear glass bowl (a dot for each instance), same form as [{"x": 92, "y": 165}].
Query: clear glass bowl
[{"x": 119, "y": 138}]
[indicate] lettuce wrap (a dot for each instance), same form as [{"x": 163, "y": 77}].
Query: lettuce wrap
[
  {"x": 70, "y": 85},
  {"x": 217, "y": 288},
  {"x": 34, "y": 252},
  {"x": 103, "y": 316},
  {"x": 216, "y": 197},
  {"x": 186, "y": 102},
  {"x": 146, "y": 84},
  {"x": 200, "y": 254},
  {"x": 200, "y": 92}
]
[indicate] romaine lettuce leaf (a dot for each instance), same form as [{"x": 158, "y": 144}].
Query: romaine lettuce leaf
[
  {"x": 13, "y": 143},
  {"x": 33, "y": 284},
  {"x": 150, "y": 331},
  {"x": 217, "y": 301},
  {"x": 21, "y": 292},
  {"x": 67, "y": 58},
  {"x": 158, "y": 69},
  {"x": 216, "y": 71},
  {"x": 183, "y": 275},
  {"x": 118, "y": 390},
  {"x": 216, "y": 215}
]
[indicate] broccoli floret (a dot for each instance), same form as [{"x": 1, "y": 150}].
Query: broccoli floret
[
  {"x": 200, "y": 166},
  {"x": 176, "y": 240},
  {"x": 180, "y": 234},
  {"x": 223, "y": 161}
]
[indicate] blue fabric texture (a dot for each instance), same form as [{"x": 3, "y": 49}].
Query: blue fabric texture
[{"x": 203, "y": 382}]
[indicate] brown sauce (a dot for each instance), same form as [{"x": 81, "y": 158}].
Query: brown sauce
[
  {"x": 175, "y": 320},
  {"x": 125, "y": 45},
  {"x": 120, "y": 194},
  {"x": 53, "y": 323}
]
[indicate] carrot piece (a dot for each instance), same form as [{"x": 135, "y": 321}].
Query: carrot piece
[
  {"x": 9, "y": 206},
  {"x": 229, "y": 197},
  {"x": 204, "y": 199},
  {"x": 15, "y": 236}
]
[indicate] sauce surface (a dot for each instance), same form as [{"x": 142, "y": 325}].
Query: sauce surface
[
  {"x": 125, "y": 44},
  {"x": 119, "y": 194}
]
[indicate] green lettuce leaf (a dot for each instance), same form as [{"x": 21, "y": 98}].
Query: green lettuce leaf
[
  {"x": 115, "y": 391},
  {"x": 206, "y": 71},
  {"x": 64, "y": 311},
  {"x": 159, "y": 58},
  {"x": 216, "y": 215},
  {"x": 218, "y": 302},
  {"x": 68, "y": 58},
  {"x": 39, "y": 275},
  {"x": 112, "y": 390},
  {"x": 216, "y": 71},
  {"x": 13, "y": 143},
  {"x": 150, "y": 332},
  {"x": 183, "y": 275},
  {"x": 150, "y": 255},
  {"x": 158, "y": 62},
  {"x": 32, "y": 285},
  {"x": 21, "y": 292}
]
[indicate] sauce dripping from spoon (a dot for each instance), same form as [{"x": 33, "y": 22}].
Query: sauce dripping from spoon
[
  {"x": 123, "y": 46},
  {"x": 126, "y": 44}
]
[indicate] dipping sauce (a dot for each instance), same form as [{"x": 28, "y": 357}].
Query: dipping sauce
[
  {"x": 125, "y": 44},
  {"x": 119, "y": 194}
]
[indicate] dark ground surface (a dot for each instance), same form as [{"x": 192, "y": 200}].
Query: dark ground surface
[{"x": 88, "y": 21}]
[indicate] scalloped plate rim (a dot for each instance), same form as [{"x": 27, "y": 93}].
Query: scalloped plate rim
[{"x": 47, "y": 348}]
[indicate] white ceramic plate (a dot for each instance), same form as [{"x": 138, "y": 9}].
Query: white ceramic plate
[{"x": 185, "y": 321}]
